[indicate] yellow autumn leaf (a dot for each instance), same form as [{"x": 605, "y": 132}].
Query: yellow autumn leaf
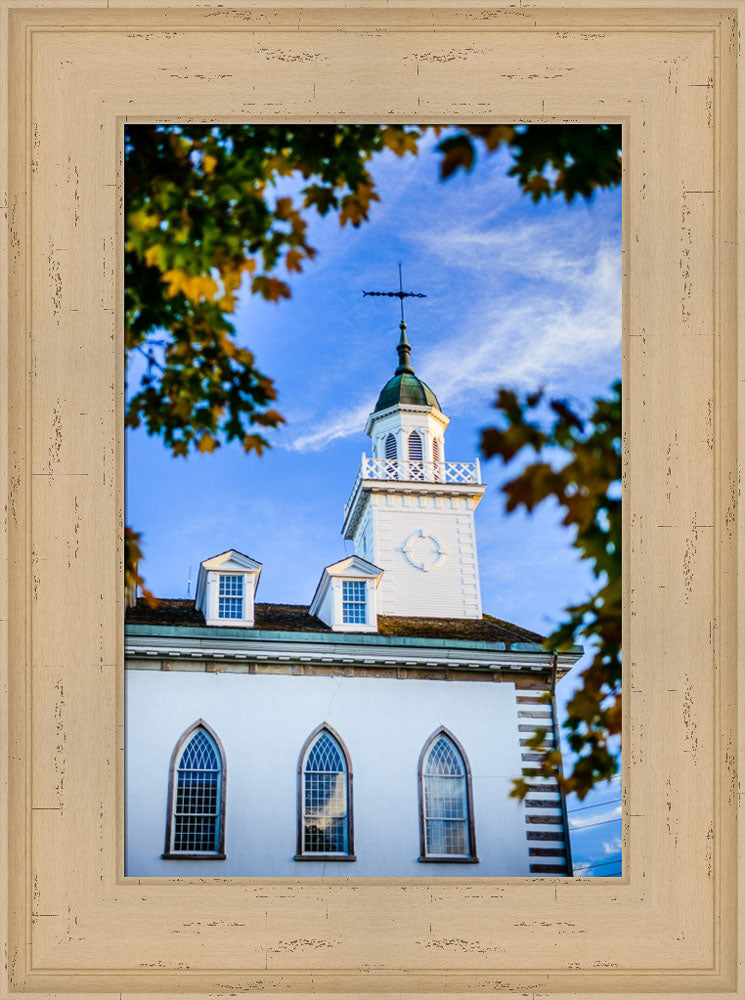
[
  {"x": 209, "y": 163},
  {"x": 206, "y": 443},
  {"x": 201, "y": 286},
  {"x": 194, "y": 286},
  {"x": 399, "y": 140},
  {"x": 175, "y": 279},
  {"x": 253, "y": 442},
  {"x": 155, "y": 256},
  {"x": 231, "y": 279},
  {"x": 143, "y": 221}
]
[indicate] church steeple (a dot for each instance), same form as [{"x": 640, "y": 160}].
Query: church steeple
[
  {"x": 411, "y": 511},
  {"x": 404, "y": 387}
]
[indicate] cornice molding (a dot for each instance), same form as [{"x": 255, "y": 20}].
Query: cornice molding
[{"x": 308, "y": 653}]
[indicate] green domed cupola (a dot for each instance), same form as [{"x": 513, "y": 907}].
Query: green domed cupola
[{"x": 405, "y": 388}]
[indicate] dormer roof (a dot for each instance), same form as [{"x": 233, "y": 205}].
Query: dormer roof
[
  {"x": 240, "y": 559},
  {"x": 353, "y": 567}
]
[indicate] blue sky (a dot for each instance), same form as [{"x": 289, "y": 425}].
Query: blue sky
[{"x": 518, "y": 294}]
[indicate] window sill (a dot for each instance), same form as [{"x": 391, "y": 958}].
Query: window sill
[
  {"x": 325, "y": 857},
  {"x": 448, "y": 861},
  {"x": 193, "y": 857}
]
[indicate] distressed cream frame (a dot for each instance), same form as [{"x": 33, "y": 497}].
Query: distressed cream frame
[{"x": 76, "y": 928}]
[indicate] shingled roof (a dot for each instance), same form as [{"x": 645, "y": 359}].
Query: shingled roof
[{"x": 295, "y": 618}]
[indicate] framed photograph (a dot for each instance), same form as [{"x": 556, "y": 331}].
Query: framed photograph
[
  {"x": 213, "y": 792},
  {"x": 352, "y": 671}
]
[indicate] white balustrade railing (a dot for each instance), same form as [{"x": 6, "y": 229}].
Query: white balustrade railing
[{"x": 409, "y": 471}]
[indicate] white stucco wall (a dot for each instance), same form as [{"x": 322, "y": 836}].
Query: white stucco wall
[{"x": 263, "y": 721}]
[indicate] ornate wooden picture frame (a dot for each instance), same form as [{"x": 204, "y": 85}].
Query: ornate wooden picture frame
[{"x": 74, "y": 74}]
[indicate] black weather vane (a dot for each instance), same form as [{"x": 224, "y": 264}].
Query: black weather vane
[{"x": 400, "y": 294}]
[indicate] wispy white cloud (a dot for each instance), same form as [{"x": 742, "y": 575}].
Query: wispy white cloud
[
  {"x": 551, "y": 306},
  {"x": 582, "y": 822},
  {"x": 563, "y": 319},
  {"x": 612, "y": 846},
  {"x": 341, "y": 424}
]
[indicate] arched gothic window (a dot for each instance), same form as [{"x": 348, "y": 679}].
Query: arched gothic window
[
  {"x": 390, "y": 447},
  {"x": 195, "y": 826},
  {"x": 446, "y": 802},
  {"x": 324, "y": 798}
]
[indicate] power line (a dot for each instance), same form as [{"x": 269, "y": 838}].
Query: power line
[
  {"x": 595, "y": 806},
  {"x": 587, "y": 826},
  {"x": 599, "y": 864}
]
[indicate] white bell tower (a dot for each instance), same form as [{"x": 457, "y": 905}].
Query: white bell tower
[{"x": 411, "y": 512}]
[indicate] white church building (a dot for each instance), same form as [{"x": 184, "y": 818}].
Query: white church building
[{"x": 375, "y": 731}]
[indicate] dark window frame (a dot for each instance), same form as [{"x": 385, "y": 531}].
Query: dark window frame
[
  {"x": 219, "y": 855},
  {"x": 300, "y": 854},
  {"x": 449, "y": 859}
]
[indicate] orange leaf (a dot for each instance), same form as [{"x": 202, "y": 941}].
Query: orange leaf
[
  {"x": 283, "y": 208},
  {"x": 293, "y": 259},
  {"x": 270, "y": 288},
  {"x": 399, "y": 140},
  {"x": 206, "y": 443}
]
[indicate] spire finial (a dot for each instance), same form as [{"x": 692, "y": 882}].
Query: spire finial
[
  {"x": 404, "y": 350},
  {"x": 404, "y": 347}
]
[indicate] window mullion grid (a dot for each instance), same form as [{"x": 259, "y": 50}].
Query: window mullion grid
[
  {"x": 309, "y": 814},
  {"x": 354, "y": 602},
  {"x": 198, "y": 799},
  {"x": 230, "y": 596},
  {"x": 325, "y": 791},
  {"x": 445, "y": 821}
]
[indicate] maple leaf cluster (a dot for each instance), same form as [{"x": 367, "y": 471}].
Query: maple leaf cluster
[{"x": 577, "y": 464}]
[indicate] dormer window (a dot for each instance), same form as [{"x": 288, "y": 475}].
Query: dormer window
[
  {"x": 226, "y": 589},
  {"x": 353, "y": 602},
  {"x": 230, "y": 596},
  {"x": 345, "y": 598}
]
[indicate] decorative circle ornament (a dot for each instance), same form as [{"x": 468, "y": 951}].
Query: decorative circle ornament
[{"x": 424, "y": 550}]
